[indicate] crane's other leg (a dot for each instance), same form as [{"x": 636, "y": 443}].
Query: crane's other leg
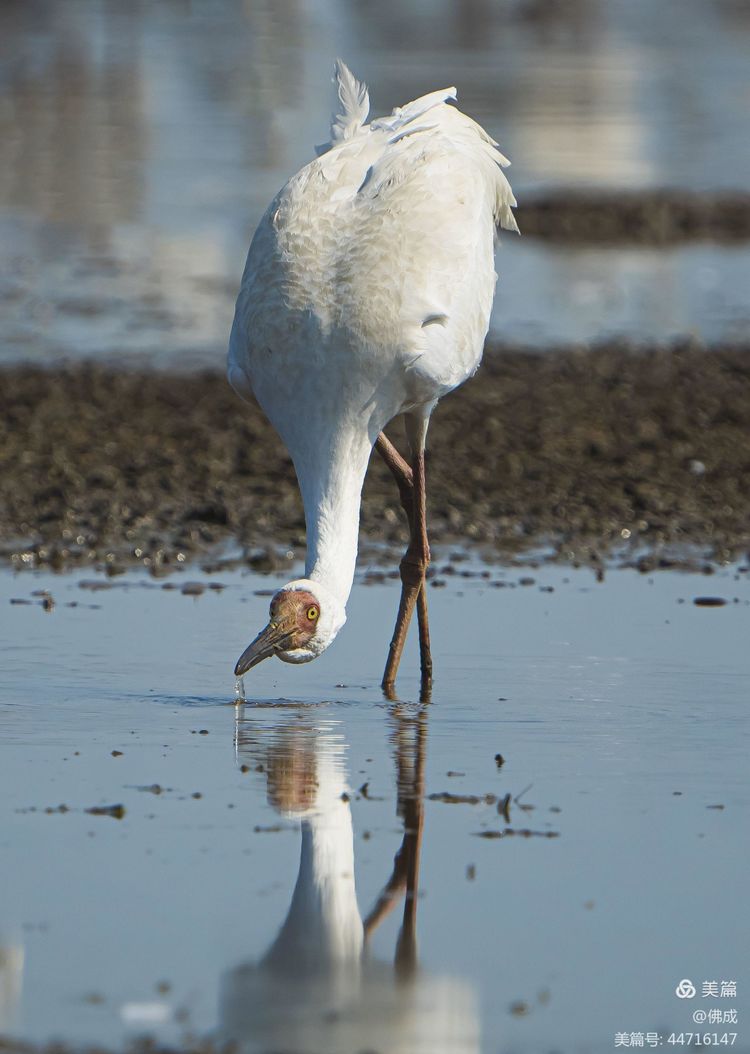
[
  {"x": 417, "y": 557},
  {"x": 404, "y": 477}
]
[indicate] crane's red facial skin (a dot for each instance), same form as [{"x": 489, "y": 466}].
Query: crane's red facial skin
[
  {"x": 295, "y": 607},
  {"x": 294, "y": 619}
]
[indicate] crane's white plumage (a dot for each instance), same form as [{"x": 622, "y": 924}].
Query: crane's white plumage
[{"x": 367, "y": 293}]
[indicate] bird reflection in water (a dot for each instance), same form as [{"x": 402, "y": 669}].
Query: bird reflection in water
[{"x": 317, "y": 987}]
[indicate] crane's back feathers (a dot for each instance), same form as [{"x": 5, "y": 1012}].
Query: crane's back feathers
[
  {"x": 375, "y": 259},
  {"x": 402, "y": 122}
]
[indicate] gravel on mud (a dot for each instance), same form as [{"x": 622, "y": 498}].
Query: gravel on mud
[{"x": 575, "y": 450}]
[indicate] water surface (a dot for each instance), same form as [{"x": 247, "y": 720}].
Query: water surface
[
  {"x": 143, "y": 142},
  {"x": 619, "y": 708}
]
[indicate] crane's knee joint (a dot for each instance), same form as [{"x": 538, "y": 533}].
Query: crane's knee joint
[{"x": 413, "y": 568}]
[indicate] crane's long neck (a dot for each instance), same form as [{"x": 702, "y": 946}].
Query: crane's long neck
[{"x": 330, "y": 476}]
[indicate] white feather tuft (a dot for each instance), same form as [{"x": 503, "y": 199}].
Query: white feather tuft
[
  {"x": 404, "y": 115},
  {"x": 355, "y": 101}
]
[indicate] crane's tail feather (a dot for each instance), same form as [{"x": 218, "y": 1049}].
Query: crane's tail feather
[{"x": 355, "y": 101}]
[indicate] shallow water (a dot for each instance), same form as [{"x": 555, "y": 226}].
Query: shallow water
[
  {"x": 143, "y": 142},
  {"x": 620, "y": 709}
]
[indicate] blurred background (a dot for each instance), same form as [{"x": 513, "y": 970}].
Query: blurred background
[{"x": 142, "y": 141}]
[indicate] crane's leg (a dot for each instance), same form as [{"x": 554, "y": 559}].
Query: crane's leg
[
  {"x": 404, "y": 477},
  {"x": 411, "y": 484}
]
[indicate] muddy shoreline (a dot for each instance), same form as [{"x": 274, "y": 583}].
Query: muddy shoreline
[
  {"x": 578, "y": 451},
  {"x": 645, "y": 218}
]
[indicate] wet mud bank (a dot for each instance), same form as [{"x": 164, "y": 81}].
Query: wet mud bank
[
  {"x": 579, "y": 451},
  {"x": 644, "y": 218}
]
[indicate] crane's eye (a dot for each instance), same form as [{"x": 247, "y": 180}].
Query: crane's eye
[{"x": 312, "y": 612}]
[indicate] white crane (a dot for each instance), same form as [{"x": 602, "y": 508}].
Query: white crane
[{"x": 366, "y": 294}]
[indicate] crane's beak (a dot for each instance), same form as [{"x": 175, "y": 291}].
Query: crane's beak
[{"x": 277, "y": 636}]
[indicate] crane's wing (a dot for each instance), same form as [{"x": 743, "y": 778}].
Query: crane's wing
[{"x": 440, "y": 129}]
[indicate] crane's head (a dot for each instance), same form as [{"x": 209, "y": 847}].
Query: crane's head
[{"x": 304, "y": 619}]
